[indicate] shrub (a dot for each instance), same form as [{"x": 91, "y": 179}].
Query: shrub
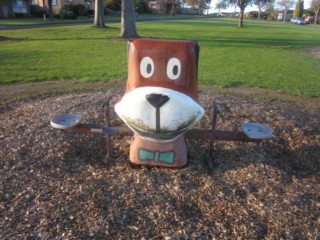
[
  {"x": 142, "y": 7},
  {"x": 38, "y": 11},
  {"x": 79, "y": 9},
  {"x": 114, "y": 5},
  {"x": 67, "y": 13}
]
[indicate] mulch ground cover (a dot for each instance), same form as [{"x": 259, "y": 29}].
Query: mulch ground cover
[{"x": 57, "y": 185}]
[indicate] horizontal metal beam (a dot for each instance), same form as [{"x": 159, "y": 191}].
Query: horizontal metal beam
[
  {"x": 219, "y": 135},
  {"x": 191, "y": 134}
]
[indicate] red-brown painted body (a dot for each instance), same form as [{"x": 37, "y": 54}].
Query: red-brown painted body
[
  {"x": 169, "y": 65},
  {"x": 161, "y": 51}
]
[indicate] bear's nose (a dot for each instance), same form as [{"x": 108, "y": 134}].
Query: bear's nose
[{"x": 157, "y": 100}]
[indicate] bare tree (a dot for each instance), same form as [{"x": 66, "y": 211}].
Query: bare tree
[
  {"x": 269, "y": 9},
  {"x": 173, "y": 6},
  {"x": 183, "y": 3},
  {"x": 261, "y": 5},
  {"x": 128, "y": 19},
  {"x": 220, "y": 5},
  {"x": 315, "y": 7},
  {"x": 286, "y": 4},
  {"x": 99, "y": 14}
]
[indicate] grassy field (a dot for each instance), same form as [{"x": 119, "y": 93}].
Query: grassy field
[{"x": 275, "y": 56}]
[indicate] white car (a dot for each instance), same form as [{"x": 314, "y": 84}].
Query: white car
[{"x": 297, "y": 20}]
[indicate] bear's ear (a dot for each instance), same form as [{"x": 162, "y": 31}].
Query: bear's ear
[
  {"x": 128, "y": 47},
  {"x": 134, "y": 79}
]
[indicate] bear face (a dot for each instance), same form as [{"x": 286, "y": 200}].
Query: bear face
[{"x": 163, "y": 63}]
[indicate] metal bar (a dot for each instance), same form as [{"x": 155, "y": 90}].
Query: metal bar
[
  {"x": 100, "y": 130},
  {"x": 215, "y": 112},
  {"x": 87, "y": 129},
  {"x": 219, "y": 135},
  {"x": 106, "y": 108},
  {"x": 191, "y": 134},
  {"x": 105, "y": 105},
  {"x": 214, "y": 116}
]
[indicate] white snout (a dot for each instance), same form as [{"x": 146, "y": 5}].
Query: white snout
[{"x": 177, "y": 115}]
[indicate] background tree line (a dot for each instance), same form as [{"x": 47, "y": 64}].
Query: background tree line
[
  {"x": 141, "y": 6},
  {"x": 268, "y": 6}
]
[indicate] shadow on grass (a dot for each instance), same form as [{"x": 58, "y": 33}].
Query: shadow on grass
[
  {"x": 259, "y": 42},
  {"x": 11, "y": 39}
]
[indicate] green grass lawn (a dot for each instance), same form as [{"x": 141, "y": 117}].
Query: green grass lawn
[{"x": 275, "y": 55}]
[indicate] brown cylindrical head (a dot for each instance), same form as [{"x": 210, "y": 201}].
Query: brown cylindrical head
[{"x": 163, "y": 63}]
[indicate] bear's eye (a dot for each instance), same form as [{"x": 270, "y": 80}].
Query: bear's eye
[
  {"x": 146, "y": 67},
  {"x": 173, "y": 68}
]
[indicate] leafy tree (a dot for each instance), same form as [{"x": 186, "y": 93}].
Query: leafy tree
[
  {"x": 204, "y": 5},
  {"x": 242, "y": 4},
  {"x": 142, "y": 7},
  {"x": 128, "y": 19},
  {"x": 200, "y": 5},
  {"x": 114, "y": 5},
  {"x": 286, "y": 4},
  {"x": 99, "y": 14},
  {"x": 192, "y": 3},
  {"x": 315, "y": 7},
  {"x": 298, "y": 11}
]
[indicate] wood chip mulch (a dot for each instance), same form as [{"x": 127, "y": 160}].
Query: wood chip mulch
[{"x": 57, "y": 185}]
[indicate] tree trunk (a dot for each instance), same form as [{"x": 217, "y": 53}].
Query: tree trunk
[
  {"x": 285, "y": 15},
  {"x": 128, "y": 19},
  {"x": 240, "y": 24},
  {"x": 99, "y": 14},
  {"x": 50, "y": 10},
  {"x": 172, "y": 13}
]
